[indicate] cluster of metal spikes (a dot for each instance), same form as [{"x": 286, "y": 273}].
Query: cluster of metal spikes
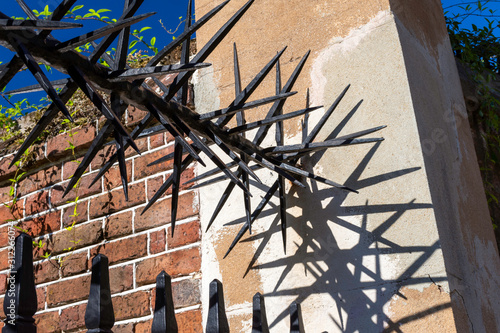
[{"x": 32, "y": 42}]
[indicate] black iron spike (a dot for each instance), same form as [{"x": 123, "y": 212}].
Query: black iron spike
[
  {"x": 240, "y": 121},
  {"x": 37, "y": 72},
  {"x": 296, "y": 324},
  {"x": 209, "y": 173},
  {"x": 277, "y": 119},
  {"x": 217, "y": 319},
  {"x": 11, "y": 24},
  {"x": 185, "y": 35},
  {"x": 207, "y": 49},
  {"x": 26, "y": 9},
  {"x": 240, "y": 107},
  {"x": 46, "y": 119},
  {"x": 97, "y": 144},
  {"x": 301, "y": 148},
  {"x": 9, "y": 70},
  {"x": 221, "y": 178},
  {"x": 119, "y": 108},
  {"x": 164, "y": 316},
  {"x": 20, "y": 302},
  {"x": 185, "y": 163},
  {"x": 37, "y": 87},
  {"x": 99, "y": 315},
  {"x": 58, "y": 15},
  {"x": 186, "y": 48},
  {"x": 281, "y": 180},
  {"x": 259, "y": 319},
  {"x": 176, "y": 179},
  {"x": 321, "y": 123},
  {"x": 122, "y": 46},
  {"x": 251, "y": 87},
  {"x": 92, "y": 94},
  {"x": 361, "y": 133},
  {"x": 145, "y": 72},
  {"x": 305, "y": 121},
  {"x": 220, "y": 204},
  {"x": 101, "y": 32}
]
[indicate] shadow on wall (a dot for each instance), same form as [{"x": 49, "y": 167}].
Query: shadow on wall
[{"x": 359, "y": 292}]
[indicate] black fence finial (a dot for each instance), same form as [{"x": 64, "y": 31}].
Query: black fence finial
[
  {"x": 20, "y": 301},
  {"x": 99, "y": 316},
  {"x": 259, "y": 322},
  {"x": 296, "y": 324},
  {"x": 217, "y": 320},
  {"x": 164, "y": 315}
]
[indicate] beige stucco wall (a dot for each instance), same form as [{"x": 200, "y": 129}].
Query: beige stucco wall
[{"x": 374, "y": 260}]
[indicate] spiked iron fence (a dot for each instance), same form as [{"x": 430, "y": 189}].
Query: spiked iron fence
[
  {"x": 21, "y": 300},
  {"x": 31, "y": 39}
]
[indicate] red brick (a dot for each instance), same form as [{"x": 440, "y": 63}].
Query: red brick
[
  {"x": 68, "y": 291},
  {"x": 45, "y": 271},
  {"x": 141, "y": 168},
  {"x": 81, "y": 213},
  {"x": 142, "y": 144},
  {"x": 184, "y": 293},
  {"x": 131, "y": 305},
  {"x": 74, "y": 263},
  {"x": 7, "y": 214},
  {"x": 123, "y": 249},
  {"x": 39, "y": 180},
  {"x": 47, "y": 322},
  {"x": 37, "y": 203},
  {"x": 85, "y": 235},
  {"x": 42, "y": 225},
  {"x": 157, "y": 241},
  {"x": 73, "y": 317},
  {"x": 154, "y": 185},
  {"x": 113, "y": 179},
  {"x": 4, "y": 257},
  {"x": 156, "y": 140},
  {"x": 176, "y": 263},
  {"x": 143, "y": 326},
  {"x": 83, "y": 191},
  {"x": 184, "y": 234},
  {"x": 121, "y": 278},
  {"x": 40, "y": 298},
  {"x": 58, "y": 145},
  {"x": 114, "y": 201},
  {"x": 124, "y": 328},
  {"x": 2, "y": 315},
  {"x": 6, "y": 171},
  {"x": 3, "y": 283},
  {"x": 70, "y": 167},
  {"x": 4, "y": 238},
  {"x": 5, "y": 194},
  {"x": 26, "y": 186},
  {"x": 160, "y": 212},
  {"x": 102, "y": 157},
  {"x": 118, "y": 225},
  {"x": 189, "y": 322}
]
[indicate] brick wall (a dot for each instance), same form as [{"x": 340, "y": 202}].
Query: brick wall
[{"x": 138, "y": 246}]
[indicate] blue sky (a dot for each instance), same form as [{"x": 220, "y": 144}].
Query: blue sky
[{"x": 167, "y": 11}]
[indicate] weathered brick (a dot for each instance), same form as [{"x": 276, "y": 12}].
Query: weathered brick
[
  {"x": 26, "y": 186},
  {"x": 39, "y": 180},
  {"x": 74, "y": 263},
  {"x": 189, "y": 322},
  {"x": 68, "y": 291},
  {"x": 40, "y": 298},
  {"x": 85, "y": 235},
  {"x": 142, "y": 144},
  {"x": 81, "y": 138},
  {"x": 114, "y": 201},
  {"x": 157, "y": 241},
  {"x": 42, "y": 225},
  {"x": 143, "y": 326},
  {"x": 154, "y": 185},
  {"x": 118, "y": 225},
  {"x": 123, "y": 249},
  {"x": 3, "y": 283},
  {"x": 141, "y": 168},
  {"x": 113, "y": 179},
  {"x": 81, "y": 214},
  {"x": 70, "y": 167},
  {"x": 47, "y": 322},
  {"x": 6, "y": 171},
  {"x": 46, "y": 270},
  {"x": 121, "y": 278},
  {"x": 156, "y": 140},
  {"x": 184, "y": 234},
  {"x": 37, "y": 203},
  {"x": 5, "y": 194},
  {"x": 2, "y": 314},
  {"x": 124, "y": 328},
  {"x": 83, "y": 191},
  {"x": 102, "y": 157},
  {"x": 176, "y": 263},
  {"x": 11, "y": 213},
  {"x": 131, "y": 305},
  {"x": 134, "y": 115},
  {"x": 160, "y": 212},
  {"x": 73, "y": 317},
  {"x": 4, "y": 257},
  {"x": 184, "y": 293}
]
